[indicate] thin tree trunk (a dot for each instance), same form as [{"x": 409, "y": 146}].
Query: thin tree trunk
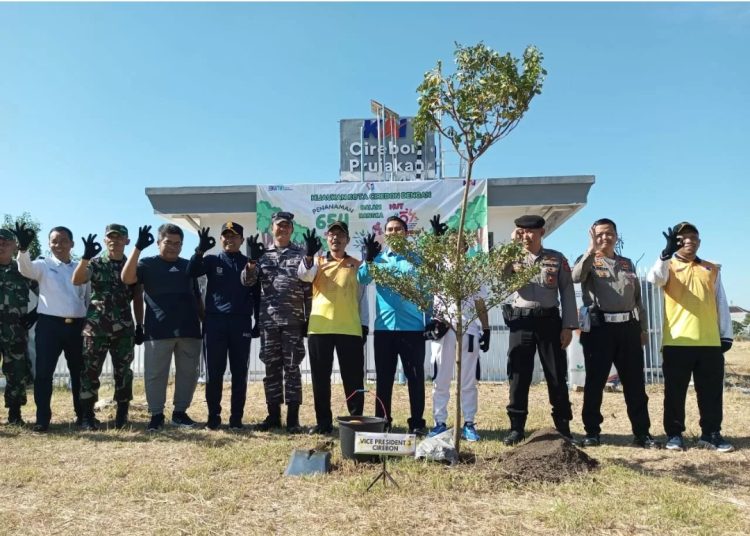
[{"x": 459, "y": 261}]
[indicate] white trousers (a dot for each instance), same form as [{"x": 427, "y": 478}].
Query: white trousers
[{"x": 444, "y": 356}]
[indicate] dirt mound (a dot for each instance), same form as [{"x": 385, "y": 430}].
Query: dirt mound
[{"x": 546, "y": 456}]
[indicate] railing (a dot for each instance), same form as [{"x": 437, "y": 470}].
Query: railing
[{"x": 493, "y": 363}]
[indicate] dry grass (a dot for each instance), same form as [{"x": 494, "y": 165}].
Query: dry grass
[{"x": 201, "y": 482}]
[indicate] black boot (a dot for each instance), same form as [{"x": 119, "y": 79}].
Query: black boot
[
  {"x": 273, "y": 420},
  {"x": 516, "y": 435},
  {"x": 88, "y": 421},
  {"x": 121, "y": 417},
  {"x": 292, "y": 419},
  {"x": 14, "y": 415},
  {"x": 563, "y": 426}
]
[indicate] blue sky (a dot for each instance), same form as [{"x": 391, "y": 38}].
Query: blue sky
[{"x": 100, "y": 101}]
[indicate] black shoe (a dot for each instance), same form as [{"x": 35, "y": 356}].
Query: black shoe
[
  {"x": 646, "y": 441},
  {"x": 89, "y": 424},
  {"x": 79, "y": 420},
  {"x": 513, "y": 438},
  {"x": 214, "y": 422},
  {"x": 235, "y": 424},
  {"x": 563, "y": 426},
  {"x": 181, "y": 419},
  {"x": 322, "y": 429},
  {"x": 591, "y": 440},
  {"x": 714, "y": 441},
  {"x": 121, "y": 417},
  {"x": 41, "y": 428},
  {"x": 14, "y": 416},
  {"x": 269, "y": 423},
  {"x": 419, "y": 432},
  {"x": 156, "y": 423},
  {"x": 292, "y": 419}
]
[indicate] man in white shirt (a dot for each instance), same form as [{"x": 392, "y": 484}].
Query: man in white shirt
[{"x": 62, "y": 309}]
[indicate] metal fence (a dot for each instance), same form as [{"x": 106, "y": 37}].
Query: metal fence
[{"x": 493, "y": 363}]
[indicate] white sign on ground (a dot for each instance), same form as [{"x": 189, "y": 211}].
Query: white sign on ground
[{"x": 385, "y": 444}]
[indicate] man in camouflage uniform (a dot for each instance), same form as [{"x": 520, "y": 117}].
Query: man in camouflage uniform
[
  {"x": 285, "y": 305},
  {"x": 109, "y": 323},
  {"x": 15, "y": 321}
]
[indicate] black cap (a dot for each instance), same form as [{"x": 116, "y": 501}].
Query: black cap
[
  {"x": 234, "y": 227},
  {"x": 282, "y": 216},
  {"x": 340, "y": 224},
  {"x": 684, "y": 226},
  {"x": 529, "y": 221}
]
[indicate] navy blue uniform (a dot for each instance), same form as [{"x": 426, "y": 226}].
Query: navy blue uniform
[{"x": 230, "y": 307}]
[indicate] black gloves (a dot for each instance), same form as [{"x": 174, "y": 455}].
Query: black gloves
[
  {"x": 726, "y": 345},
  {"x": 255, "y": 249},
  {"x": 673, "y": 244},
  {"x": 437, "y": 227},
  {"x": 29, "y": 319},
  {"x": 312, "y": 243},
  {"x": 138, "y": 334},
  {"x": 304, "y": 327},
  {"x": 205, "y": 242},
  {"x": 145, "y": 238},
  {"x": 484, "y": 340},
  {"x": 90, "y": 248},
  {"x": 435, "y": 330},
  {"x": 372, "y": 247},
  {"x": 255, "y": 332},
  {"x": 24, "y": 236},
  {"x": 365, "y": 333}
]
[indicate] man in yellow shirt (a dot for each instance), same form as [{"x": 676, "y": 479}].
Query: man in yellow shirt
[
  {"x": 338, "y": 321},
  {"x": 697, "y": 331}
]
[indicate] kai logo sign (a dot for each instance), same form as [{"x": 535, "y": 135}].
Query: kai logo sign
[{"x": 384, "y": 150}]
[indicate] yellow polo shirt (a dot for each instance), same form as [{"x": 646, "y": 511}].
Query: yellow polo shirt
[
  {"x": 691, "y": 317},
  {"x": 335, "y": 299}
]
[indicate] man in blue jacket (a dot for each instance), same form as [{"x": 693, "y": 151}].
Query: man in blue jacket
[
  {"x": 399, "y": 331},
  {"x": 228, "y": 326}
]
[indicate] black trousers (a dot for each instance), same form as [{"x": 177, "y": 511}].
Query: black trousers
[
  {"x": 53, "y": 337},
  {"x": 351, "y": 357},
  {"x": 227, "y": 335},
  {"x": 706, "y": 365},
  {"x": 527, "y": 335},
  {"x": 410, "y": 346},
  {"x": 618, "y": 344}
]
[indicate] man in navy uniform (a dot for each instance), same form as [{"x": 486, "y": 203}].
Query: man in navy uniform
[{"x": 228, "y": 326}]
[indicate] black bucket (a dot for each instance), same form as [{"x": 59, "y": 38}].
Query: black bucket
[{"x": 352, "y": 424}]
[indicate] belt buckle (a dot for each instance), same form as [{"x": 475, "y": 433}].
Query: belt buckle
[
  {"x": 616, "y": 318},
  {"x": 68, "y": 320}
]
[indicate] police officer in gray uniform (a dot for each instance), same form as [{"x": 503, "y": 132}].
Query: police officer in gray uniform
[
  {"x": 535, "y": 324},
  {"x": 284, "y": 309},
  {"x": 618, "y": 332}
]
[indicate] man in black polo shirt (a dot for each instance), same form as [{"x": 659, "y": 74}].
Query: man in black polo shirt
[{"x": 172, "y": 324}]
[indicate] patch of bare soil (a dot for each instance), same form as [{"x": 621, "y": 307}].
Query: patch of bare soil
[{"x": 546, "y": 457}]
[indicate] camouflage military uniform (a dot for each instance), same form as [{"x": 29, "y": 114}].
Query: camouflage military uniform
[
  {"x": 108, "y": 328},
  {"x": 14, "y": 300},
  {"x": 283, "y": 305}
]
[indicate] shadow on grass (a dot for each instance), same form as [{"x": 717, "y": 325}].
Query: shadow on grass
[{"x": 720, "y": 472}]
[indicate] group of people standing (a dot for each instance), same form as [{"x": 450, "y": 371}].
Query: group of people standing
[
  {"x": 286, "y": 292},
  {"x": 696, "y": 333}
]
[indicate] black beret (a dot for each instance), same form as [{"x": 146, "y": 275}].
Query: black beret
[{"x": 529, "y": 221}]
